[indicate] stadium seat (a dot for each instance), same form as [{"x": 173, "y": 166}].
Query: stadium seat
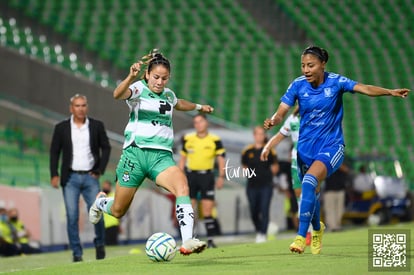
[{"x": 222, "y": 41}]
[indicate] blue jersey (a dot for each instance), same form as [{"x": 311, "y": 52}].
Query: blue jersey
[{"x": 321, "y": 111}]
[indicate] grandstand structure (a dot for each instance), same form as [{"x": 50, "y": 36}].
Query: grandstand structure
[{"x": 221, "y": 55}]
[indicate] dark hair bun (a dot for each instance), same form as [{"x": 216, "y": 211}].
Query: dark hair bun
[
  {"x": 158, "y": 56},
  {"x": 325, "y": 54}
]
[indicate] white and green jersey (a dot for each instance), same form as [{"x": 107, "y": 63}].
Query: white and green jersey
[
  {"x": 291, "y": 128},
  {"x": 150, "y": 117}
]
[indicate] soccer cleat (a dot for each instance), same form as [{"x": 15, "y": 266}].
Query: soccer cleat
[
  {"x": 316, "y": 244},
  {"x": 192, "y": 246},
  {"x": 95, "y": 214},
  {"x": 298, "y": 245},
  {"x": 308, "y": 239}
]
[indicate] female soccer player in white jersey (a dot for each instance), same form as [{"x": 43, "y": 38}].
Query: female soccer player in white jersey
[
  {"x": 290, "y": 129},
  {"x": 321, "y": 142},
  {"x": 147, "y": 150}
]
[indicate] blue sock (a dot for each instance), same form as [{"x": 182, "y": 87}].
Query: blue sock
[
  {"x": 316, "y": 219},
  {"x": 307, "y": 205}
]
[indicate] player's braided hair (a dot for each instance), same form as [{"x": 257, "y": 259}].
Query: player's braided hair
[
  {"x": 155, "y": 57},
  {"x": 319, "y": 52}
]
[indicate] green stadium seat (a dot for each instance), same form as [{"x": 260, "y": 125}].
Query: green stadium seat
[{"x": 208, "y": 39}]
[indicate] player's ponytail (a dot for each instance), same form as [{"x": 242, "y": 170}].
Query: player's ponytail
[{"x": 325, "y": 54}]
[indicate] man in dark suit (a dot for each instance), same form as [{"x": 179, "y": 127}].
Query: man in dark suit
[{"x": 85, "y": 150}]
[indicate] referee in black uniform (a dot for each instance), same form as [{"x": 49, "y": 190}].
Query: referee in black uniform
[{"x": 199, "y": 152}]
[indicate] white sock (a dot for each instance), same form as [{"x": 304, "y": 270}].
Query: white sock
[
  {"x": 105, "y": 204},
  {"x": 185, "y": 217}
]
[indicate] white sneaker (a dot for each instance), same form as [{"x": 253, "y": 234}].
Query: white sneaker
[
  {"x": 95, "y": 214},
  {"x": 192, "y": 246},
  {"x": 261, "y": 238}
]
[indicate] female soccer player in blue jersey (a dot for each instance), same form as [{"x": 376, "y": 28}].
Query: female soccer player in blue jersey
[
  {"x": 147, "y": 150},
  {"x": 321, "y": 142}
]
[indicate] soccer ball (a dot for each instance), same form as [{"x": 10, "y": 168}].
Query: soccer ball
[{"x": 161, "y": 247}]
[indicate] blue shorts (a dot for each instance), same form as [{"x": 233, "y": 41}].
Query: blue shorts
[{"x": 332, "y": 157}]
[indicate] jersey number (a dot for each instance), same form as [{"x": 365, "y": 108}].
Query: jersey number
[
  {"x": 164, "y": 107},
  {"x": 129, "y": 163}
]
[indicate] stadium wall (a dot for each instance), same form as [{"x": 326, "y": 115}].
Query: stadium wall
[{"x": 43, "y": 212}]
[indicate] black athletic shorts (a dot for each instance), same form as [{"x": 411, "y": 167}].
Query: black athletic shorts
[{"x": 201, "y": 184}]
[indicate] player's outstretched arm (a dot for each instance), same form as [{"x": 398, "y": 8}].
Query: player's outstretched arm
[
  {"x": 184, "y": 105},
  {"x": 278, "y": 117},
  {"x": 275, "y": 140},
  {"x": 371, "y": 90}
]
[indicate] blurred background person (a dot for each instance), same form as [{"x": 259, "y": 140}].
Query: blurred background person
[
  {"x": 199, "y": 152},
  {"x": 112, "y": 224},
  {"x": 363, "y": 182},
  {"x": 334, "y": 197},
  {"x": 22, "y": 233},
  {"x": 259, "y": 188},
  {"x": 290, "y": 129},
  {"x": 9, "y": 245},
  {"x": 85, "y": 149}
]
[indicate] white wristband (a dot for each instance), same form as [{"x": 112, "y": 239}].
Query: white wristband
[{"x": 198, "y": 107}]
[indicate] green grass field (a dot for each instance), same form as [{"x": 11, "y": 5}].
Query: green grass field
[{"x": 343, "y": 253}]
